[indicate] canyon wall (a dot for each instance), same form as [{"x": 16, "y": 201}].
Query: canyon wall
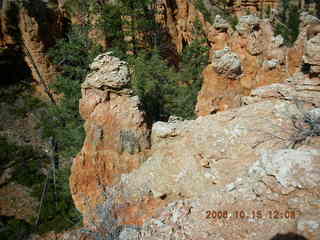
[{"x": 29, "y": 31}]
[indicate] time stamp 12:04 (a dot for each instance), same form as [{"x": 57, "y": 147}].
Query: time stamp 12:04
[{"x": 254, "y": 214}]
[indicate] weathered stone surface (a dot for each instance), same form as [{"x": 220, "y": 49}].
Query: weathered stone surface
[
  {"x": 247, "y": 23},
  {"x": 312, "y": 53},
  {"x": 161, "y": 130},
  {"x": 129, "y": 233},
  {"x": 298, "y": 87},
  {"x": 179, "y": 18},
  {"x": 221, "y": 23},
  {"x": 214, "y": 143},
  {"x": 226, "y": 63},
  {"x": 307, "y": 19},
  {"x": 240, "y": 7},
  {"x": 107, "y": 72},
  {"x": 231, "y": 161},
  {"x": 309, "y": 224},
  {"x": 218, "y": 93},
  {"x": 290, "y": 167},
  {"x": 263, "y": 61},
  {"x": 80, "y": 235},
  {"x": 218, "y": 170},
  {"x": 30, "y": 37},
  {"x": 271, "y": 64},
  {"x": 277, "y": 41}
]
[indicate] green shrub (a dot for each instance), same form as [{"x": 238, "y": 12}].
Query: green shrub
[
  {"x": 288, "y": 25},
  {"x": 306, "y": 125}
]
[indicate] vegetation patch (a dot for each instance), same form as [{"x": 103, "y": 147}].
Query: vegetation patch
[
  {"x": 14, "y": 229},
  {"x": 306, "y": 125},
  {"x": 288, "y": 23}
]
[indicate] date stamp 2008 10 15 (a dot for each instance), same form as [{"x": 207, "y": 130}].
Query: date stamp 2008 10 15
[{"x": 254, "y": 214}]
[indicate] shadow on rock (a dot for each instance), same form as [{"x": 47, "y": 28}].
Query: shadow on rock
[{"x": 288, "y": 236}]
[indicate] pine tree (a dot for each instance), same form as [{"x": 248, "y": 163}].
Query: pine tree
[{"x": 73, "y": 56}]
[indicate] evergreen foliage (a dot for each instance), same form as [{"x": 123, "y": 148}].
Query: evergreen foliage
[
  {"x": 289, "y": 23},
  {"x": 129, "y": 26},
  {"x": 14, "y": 229},
  {"x": 134, "y": 35},
  {"x": 110, "y": 22},
  {"x": 57, "y": 214},
  {"x": 164, "y": 90},
  {"x": 25, "y": 160},
  {"x": 199, "y": 4},
  {"x": 63, "y": 121}
]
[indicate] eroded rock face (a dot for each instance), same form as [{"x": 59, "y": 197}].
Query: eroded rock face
[
  {"x": 242, "y": 7},
  {"x": 116, "y": 133},
  {"x": 312, "y": 54},
  {"x": 262, "y": 59},
  {"x": 251, "y": 195},
  {"x": 290, "y": 168},
  {"x": 179, "y": 17},
  {"x": 27, "y": 31},
  {"x": 254, "y": 6},
  {"x": 231, "y": 161},
  {"x": 247, "y": 23},
  {"x": 221, "y": 23},
  {"x": 298, "y": 87}
]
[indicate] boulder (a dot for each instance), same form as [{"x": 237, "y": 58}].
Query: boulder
[
  {"x": 247, "y": 23},
  {"x": 307, "y": 19},
  {"x": 252, "y": 187},
  {"x": 220, "y": 23},
  {"x": 107, "y": 72},
  {"x": 227, "y": 63}
]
